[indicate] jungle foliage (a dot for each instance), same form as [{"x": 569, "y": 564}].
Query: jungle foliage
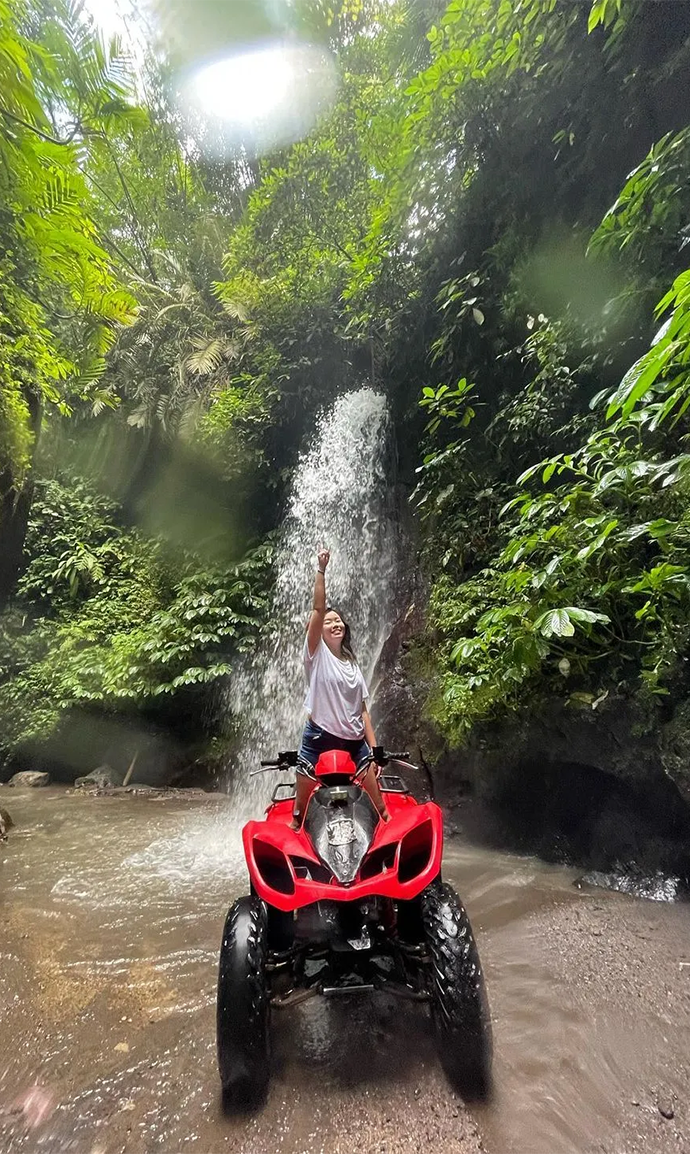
[
  {"x": 490, "y": 224},
  {"x": 570, "y": 578}
]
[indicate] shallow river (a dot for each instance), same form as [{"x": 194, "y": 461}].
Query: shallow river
[{"x": 111, "y": 911}]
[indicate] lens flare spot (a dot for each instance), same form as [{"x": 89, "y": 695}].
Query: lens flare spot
[{"x": 264, "y": 97}]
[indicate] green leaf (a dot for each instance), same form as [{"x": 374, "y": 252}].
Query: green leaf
[
  {"x": 581, "y": 698},
  {"x": 554, "y": 623},
  {"x": 587, "y": 551},
  {"x": 586, "y": 615}
]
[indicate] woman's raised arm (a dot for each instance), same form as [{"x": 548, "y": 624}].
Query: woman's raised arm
[{"x": 315, "y": 630}]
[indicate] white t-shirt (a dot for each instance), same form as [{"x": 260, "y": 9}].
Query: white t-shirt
[{"x": 336, "y": 694}]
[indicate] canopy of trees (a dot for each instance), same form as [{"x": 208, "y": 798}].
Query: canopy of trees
[{"x": 491, "y": 223}]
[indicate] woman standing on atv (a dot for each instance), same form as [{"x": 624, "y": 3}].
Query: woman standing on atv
[{"x": 336, "y": 698}]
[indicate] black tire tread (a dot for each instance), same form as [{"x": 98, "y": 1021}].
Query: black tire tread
[
  {"x": 243, "y": 1004},
  {"x": 460, "y": 1006}
]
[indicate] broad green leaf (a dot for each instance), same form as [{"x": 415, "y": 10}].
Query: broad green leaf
[
  {"x": 555, "y": 623},
  {"x": 587, "y": 615}
]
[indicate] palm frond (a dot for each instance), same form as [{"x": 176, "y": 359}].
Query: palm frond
[
  {"x": 140, "y": 418},
  {"x": 103, "y": 399},
  {"x": 208, "y": 355},
  {"x": 189, "y": 417},
  {"x": 169, "y": 308},
  {"x": 60, "y": 194},
  {"x": 235, "y": 309}
]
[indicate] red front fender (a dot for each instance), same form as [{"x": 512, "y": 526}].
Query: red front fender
[{"x": 414, "y": 834}]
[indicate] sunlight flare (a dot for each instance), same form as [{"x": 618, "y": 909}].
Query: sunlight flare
[{"x": 264, "y": 97}]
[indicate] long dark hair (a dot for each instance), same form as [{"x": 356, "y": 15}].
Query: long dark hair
[{"x": 346, "y": 645}]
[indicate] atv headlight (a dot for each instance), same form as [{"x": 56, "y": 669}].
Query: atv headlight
[
  {"x": 379, "y": 861},
  {"x": 415, "y": 851},
  {"x": 273, "y": 867}
]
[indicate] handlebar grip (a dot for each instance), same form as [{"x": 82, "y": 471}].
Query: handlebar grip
[
  {"x": 382, "y": 756},
  {"x": 288, "y": 757}
]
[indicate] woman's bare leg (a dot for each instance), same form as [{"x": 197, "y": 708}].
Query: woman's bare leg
[
  {"x": 305, "y": 787},
  {"x": 371, "y": 785}
]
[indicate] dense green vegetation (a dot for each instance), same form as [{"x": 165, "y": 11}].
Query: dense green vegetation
[{"x": 490, "y": 224}]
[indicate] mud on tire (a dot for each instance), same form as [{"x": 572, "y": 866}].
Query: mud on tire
[
  {"x": 459, "y": 1005},
  {"x": 243, "y": 1008}
]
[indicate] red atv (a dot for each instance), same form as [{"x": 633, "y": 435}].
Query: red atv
[{"x": 347, "y": 904}]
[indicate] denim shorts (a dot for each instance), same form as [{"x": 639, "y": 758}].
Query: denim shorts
[{"x": 316, "y": 741}]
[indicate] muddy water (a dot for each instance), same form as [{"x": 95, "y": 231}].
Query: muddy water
[{"x": 110, "y": 917}]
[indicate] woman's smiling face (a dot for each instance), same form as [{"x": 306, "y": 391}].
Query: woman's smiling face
[{"x": 333, "y": 630}]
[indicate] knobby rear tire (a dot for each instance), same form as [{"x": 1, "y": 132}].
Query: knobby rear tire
[
  {"x": 459, "y": 1003},
  {"x": 243, "y": 1007}
]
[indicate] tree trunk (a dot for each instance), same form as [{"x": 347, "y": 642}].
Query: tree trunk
[
  {"x": 14, "y": 519},
  {"x": 15, "y": 506}
]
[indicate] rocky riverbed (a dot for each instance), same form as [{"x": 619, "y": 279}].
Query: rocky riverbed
[{"x": 111, "y": 916}]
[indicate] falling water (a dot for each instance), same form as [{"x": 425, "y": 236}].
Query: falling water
[{"x": 341, "y": 499}]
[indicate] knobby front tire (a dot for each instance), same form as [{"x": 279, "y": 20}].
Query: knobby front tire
[
  {"x": 459, "y": 1003},
  {"x": 243, "y": 1008}
]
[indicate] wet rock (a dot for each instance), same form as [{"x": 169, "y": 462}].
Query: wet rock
[
  {"x": 675, "y": 749},
  {"x": 30, "y": 777},
  {"x": 102, "y": 778},
  {"x": 5, "y": 823},
  {"x": 655, "y": 886},
  {"x": 402, "y": 689}
]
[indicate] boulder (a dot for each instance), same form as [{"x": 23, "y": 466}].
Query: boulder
[
  {"x": 5, "y": 823},
  {"x": 102, "y": 778},
  {"x": 30, "y": 777}
]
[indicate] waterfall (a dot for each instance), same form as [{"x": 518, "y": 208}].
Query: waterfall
[{"x": 341, "y": 499}]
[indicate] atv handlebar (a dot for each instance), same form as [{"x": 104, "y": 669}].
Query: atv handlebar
[
  {"x": 382, "y": 756},
  {"x": 285, "y": 760},
  {"x": 290, "y": 758}
]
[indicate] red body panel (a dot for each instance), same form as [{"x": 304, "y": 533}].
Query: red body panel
[
  {"x": 335, "y": 761},
  {"x": 406, "y": 815}
]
